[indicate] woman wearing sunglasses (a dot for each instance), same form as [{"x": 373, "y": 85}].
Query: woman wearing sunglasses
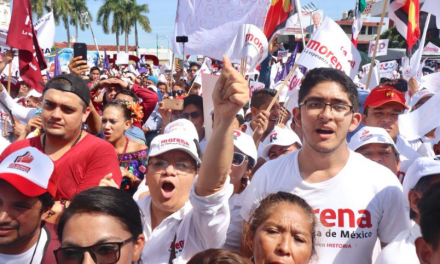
[
  {"x": 244, "y": 160},
  {"x": 193, "y": 111},
  {"x": 179, "y": 89},
  {"x": 101, "y": 225}
]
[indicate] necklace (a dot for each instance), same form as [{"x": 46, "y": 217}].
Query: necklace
[
  {"x": 125, "y": 149},
  {"x": 36, "y": 246},
  {"x": 74, "y": 143}
]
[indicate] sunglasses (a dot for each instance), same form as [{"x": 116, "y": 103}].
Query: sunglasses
[
  {"x": 102, "y": 253},
  {"x": 238, "y": 159},
  {"x": 177, "y": 93},
  {"x": 193, "y": 115}
]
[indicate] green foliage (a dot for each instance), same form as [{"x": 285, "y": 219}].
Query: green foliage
[{"x": 397, "y": 41}]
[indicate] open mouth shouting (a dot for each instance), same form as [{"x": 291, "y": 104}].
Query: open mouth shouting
[
  {"x": 325, "y": 132},
  {"x": 167, "y": 189}
]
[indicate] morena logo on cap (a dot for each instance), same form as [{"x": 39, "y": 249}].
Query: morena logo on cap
[
  {"x": 273, "y": 137},
  {"x": 25, "y": 158},
  {"x": 366, "y": 135},
  {"x": 236, "y": 134},
  {"x": 174, "y": 141}
]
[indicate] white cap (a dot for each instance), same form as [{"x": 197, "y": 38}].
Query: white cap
[
  {"x": 130, "y": 75},
  {"x": 421, "y": 167},
  {"x": 248, "y": 111},
  {"x": 152, "y": 87},
  {"x": 369, "y": 135},
  {"x": 419, "y": 95},
  {"x": 43, "y": 72},
  {"x": 104, "y": 76},
  {"x": 279, "y": 137},
  {"x": 182, "y": 126},
  {"x": 33, "y": 93},
  {"x": 29, "y": 171},
  {"x": 176, "y": 140},
  {"x": 245, "y": 144}
]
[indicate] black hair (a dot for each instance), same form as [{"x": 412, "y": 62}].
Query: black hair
[
  {"x": 94, "y": 69},
  {"x": 259, "y": 97},
  {"x": 104, "y": 200},
  {"x": 421, "y": 186},
  {"x": 193, "y": 99},
  {"x": 129, "y": 93},
  {"x": 319, "y": 75},
  {"x": 184, "y": 85},
  {"x": 240, "y": 119},
  {"x": 66, "y": 82},
  {"x": 429, "y": 208},
  {"x": 46, "y": 200},
  {"x": 195, "y": 64},
  {"x": 122, "y": 106},
  {"x": 266, "y": 209},
  {"x": 160, "y": 83},
  {"x": 219, "y": 256}
]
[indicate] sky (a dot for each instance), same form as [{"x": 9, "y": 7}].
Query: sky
[{"x": 162, "y": 17}]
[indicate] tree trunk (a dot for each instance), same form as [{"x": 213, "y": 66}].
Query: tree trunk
[
  {"x": 117, "y": 41},
  {"x": 68, "y": 34},
  {"x": 126, "y": 40},
  {"x": 136, "y": 38},
  {"x": 76, "y": 28}
]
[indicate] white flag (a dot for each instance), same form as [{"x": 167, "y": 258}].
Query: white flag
[
  {"x": 374, "y": 80},
  {"x": 204, "y": 69},
  {"x": 323, "y": 51},
  {"x": 432, "y": 7},
  {"x": 45, "y": 29}
]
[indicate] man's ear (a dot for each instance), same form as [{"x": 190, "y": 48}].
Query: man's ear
[
  {"x": 424, "y": 251},
  {"x": 363, "y": 119},
  {"x": 413, "y": 199},
  {"x": 243, "y": 127},
  {"x": 355, "y": 122},
  {"x": 297, "y": 116},
  {"x": 86, "y": 113}
]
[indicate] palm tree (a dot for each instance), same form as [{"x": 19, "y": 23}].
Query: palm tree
[
  {"x": 38, "y": 7},
  {"x": 61, "y": 10},
  {"x": 78, "y": 6},
  {"x": 116, "y": 9},
  {"x": 136, "y": 15}
]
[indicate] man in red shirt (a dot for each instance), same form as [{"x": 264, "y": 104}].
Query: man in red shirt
[{"x": 80, "y": 159}]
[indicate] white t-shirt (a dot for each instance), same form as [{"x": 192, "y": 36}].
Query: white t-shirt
[
  {"x": 261, "y": 145},
  {"x": 202, "y": 223},
  {"x": 233, "y": 238},
  {"x": 362, "y": 202},
  {"x": 402, "y": 249},
  {"x": 407, "y": 157},
  {"x": 26, "y": 257}
]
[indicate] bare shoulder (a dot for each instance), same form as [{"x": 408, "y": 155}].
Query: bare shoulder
[{"x": 134, "y": 146}]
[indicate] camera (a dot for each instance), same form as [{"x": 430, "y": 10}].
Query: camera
[{"x": 182, "y": 39}]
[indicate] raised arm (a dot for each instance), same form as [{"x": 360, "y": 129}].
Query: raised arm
[{"x": 230, "y": 94}]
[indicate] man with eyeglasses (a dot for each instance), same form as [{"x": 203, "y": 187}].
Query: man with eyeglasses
[
  {"x": 27, "y": 191},
  {"x": 382, "y": 109},
  {"x": 185, "y": 214},
  {"x": 355, "y": 200}
]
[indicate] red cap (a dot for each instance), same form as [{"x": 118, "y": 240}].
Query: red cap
[
  {"x": 15, "y": 84},
  {"x": 382, "y": 95}
]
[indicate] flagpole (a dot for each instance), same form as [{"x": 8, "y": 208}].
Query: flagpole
[
  {"x": 300, "y": 22},
  {"x": 9, "y": 78},
  {"x": 384, "y": 9}
]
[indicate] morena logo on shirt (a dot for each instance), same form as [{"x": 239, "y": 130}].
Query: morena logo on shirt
[
  {"x": 179, "y": 246},
  {"x": 344, "y": 218}
]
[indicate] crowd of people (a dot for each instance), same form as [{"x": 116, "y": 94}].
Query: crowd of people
[{"x": 97, "y": 169}]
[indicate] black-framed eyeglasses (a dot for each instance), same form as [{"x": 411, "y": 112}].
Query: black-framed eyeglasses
[
  {"x": 102, "y": 253},
  {"x": 316, "y": 107},
  {"x": 177, "y": 93},
  {"x": 193, "y": 115}
]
